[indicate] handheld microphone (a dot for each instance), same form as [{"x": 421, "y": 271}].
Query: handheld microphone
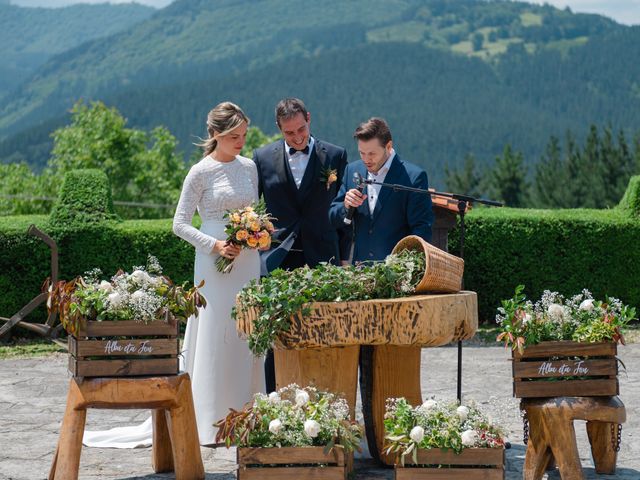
[{"x": 360, "y": 184}]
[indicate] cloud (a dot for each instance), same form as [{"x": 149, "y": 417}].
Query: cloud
[{"x": 622, "y": 11}]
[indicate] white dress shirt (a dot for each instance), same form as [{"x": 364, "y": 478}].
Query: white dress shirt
[
  {"x": 298, "y": 162},
  {"x": 373, "y": 191}
]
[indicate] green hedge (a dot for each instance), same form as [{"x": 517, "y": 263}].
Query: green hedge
[{"x": 561, "y": 250}]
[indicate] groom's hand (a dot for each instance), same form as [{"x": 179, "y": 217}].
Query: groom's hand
[{"x": 354, "y": 198}]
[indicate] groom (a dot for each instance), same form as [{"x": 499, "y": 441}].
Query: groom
[{"x": 299, "y": 177}]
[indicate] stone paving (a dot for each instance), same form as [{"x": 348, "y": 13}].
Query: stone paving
[{"x": 33, "y": 395}]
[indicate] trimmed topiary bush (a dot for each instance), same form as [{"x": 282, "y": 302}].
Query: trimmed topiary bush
[
  {"x": 84, "y": 199},
  {"x": 631, "y": 199}
]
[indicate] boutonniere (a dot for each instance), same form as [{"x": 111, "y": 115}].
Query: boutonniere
[{"x": 328, "y": 176}]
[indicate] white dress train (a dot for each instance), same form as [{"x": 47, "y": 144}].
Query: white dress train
[{"x": 224, "y": 373}]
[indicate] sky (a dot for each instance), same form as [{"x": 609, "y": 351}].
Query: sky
[{"x": 622, "y": 11}]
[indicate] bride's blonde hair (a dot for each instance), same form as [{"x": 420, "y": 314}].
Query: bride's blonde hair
[{"x": 223, "y": 118}]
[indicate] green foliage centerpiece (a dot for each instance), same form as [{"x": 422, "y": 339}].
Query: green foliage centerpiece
[{"x": 286, "y": 293}]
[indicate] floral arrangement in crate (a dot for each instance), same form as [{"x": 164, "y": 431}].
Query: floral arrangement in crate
[
  {"x": 292, "y": 417},
  {"x": 443, "y": 425},
  {"x": 553, "y": 317},
  {"x": 286, "y": 293},
  {"x": 144, "y": 295}
]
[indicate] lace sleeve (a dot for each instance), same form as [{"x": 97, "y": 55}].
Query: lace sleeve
[{"x": 189, "y": 198}]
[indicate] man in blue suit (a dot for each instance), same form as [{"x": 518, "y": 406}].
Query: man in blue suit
[
  {"x": 383, "y": 216},
  {"x": 299, "y": 176}
]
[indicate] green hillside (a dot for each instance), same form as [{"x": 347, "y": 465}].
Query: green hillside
[
  {"x": 31, "y": 36},
  {"x": 452, "y": 77}
]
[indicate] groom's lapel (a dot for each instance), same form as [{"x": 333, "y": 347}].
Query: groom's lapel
[
  {"x": 281, "y": 167},
  {"x": 317, "y": 160},
  {"x": 392, "y": 177}
]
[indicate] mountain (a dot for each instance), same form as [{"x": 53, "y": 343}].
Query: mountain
[
  {"x": 451, "y": 77},
  {"x": 31, "y": 36}
]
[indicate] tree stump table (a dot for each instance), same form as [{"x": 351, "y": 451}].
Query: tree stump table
[
  {"x": 322, "y": 349},
  {"x": 175, "y": 436},
  {"x": 552, "y": 434}
]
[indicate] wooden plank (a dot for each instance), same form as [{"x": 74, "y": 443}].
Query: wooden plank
[
  {"x": 564, "y": 368},
  {"x": 127, "y": 328},
  {"x": 292, "y": 473},
  {"x": 122, "y": 367},
  {"x": 468, "y": 456},
  {"x": 449, "y": 473},
  {"x": 566, "y": 388},
  {"x": 418, "y": 320},
  {"x": 289, "y": 455},
  {"x": 567, "y": 349},
  {"x": 124, "y": 348}
]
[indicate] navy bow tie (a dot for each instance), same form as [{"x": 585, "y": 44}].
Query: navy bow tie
[{"x": 293, "y": 151}]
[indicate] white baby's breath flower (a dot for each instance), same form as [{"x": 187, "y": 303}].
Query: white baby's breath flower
[
  {"x": 587, "y": 305},
  {"x": 302, "y": 398},
  {"x": 137, "y": 295},
  {"x": 275, "y": 426},
  {"x": 274, "y": 397},
  {"x": 417, "y": 434},
  {"x": 469, "y": 438},
  {"x": 106, "y": 286},
  {"x": 311, "y": 428},
  {"x": 463, "y": 412}
]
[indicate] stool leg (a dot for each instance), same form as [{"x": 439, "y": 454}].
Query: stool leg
[
  {"x": 600, "y": 438},
  {"x": 162, "y": 457},
  {"x": 184, "y": 437},
  {"x": 562, "y": 438},
  {"x": 538, "y": 454},
  {"x": 66, "y": 461}
]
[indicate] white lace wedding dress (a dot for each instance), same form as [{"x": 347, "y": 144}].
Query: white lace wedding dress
[{"x": 223, "y": 371}]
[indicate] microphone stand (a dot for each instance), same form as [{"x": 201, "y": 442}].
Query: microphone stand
[{"x": 463, "y": 201}]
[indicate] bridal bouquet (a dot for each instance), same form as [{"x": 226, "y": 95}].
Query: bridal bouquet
[
  {"x": 437, "y": 425},
  {"x": 248, "y": 227},
  {"x": 580, "y": 318},
  {"x": 144, "y": 295},
  {"x": 291, "y": 417}
]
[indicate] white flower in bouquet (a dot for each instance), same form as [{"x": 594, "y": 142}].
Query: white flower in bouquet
[
  {"x": 469, "y": 438},
  {"x": 556, "y": 311},
  {"x": 137, "y": 296},
  {"x": 587, "y": 305},
  {"x": 140, "y": 277},
  {"x": 275, "y": 426},
  {"x": 114, "y": 299},
  {"x": 417, "y": 434},
  {"x": 106, "y": 286},
  {"x": 463, "y": 412},
  {"x": 274, "y": 397},
  {"x": 311, "y": 428},
  {"x": 302, "y": 398}
]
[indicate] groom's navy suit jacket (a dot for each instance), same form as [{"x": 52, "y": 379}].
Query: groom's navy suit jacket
[
  {"x": 301, "y": 213},
  {"x": 397, "y": 213}
]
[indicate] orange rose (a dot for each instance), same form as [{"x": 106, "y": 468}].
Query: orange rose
[
  {"x": 265, "y": 241},
  {"x": 242, "y": 235},
  {"x": 252, "y": 242},
  {"x": 255, "y": 226}
]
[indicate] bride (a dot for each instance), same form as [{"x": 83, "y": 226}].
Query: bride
[{"x": 223, "y": 371}]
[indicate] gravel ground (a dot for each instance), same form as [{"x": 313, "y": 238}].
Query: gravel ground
[{"x": 33, "y": 395}]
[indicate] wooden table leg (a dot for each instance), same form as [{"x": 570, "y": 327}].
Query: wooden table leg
[
  {"x": 601, "y": 439},
  {"x": 162, "y": 454},
  {"x": 332, "y": 369},
  {"x": 66, "y": 461},
  {"x": 395, "y": 372},
  {"x": 538, "y": 456},
  {"x": 184, "y": 436}
]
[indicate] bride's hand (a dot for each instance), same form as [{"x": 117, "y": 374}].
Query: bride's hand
[{"x": 226, "y": 249}]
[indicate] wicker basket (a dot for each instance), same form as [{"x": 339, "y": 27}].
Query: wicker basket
[{"x": 443, "y": 271}]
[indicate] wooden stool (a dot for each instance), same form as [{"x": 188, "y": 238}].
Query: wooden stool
[
  {"x": 552, "y": 435},
  {"x": 175, "y": 435}
]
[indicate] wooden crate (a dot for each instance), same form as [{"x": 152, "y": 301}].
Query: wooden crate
[
  {"x": 293, "y": 463},
  {"x": 124, "y": 349},
  {"x": 470, "y": 464},
  {"x": 566, "y": 369}
]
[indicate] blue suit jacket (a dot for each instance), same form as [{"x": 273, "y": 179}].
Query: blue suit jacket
[
  {"x": 301, "y": 213},
  {"x": 397, "y": 213}
]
